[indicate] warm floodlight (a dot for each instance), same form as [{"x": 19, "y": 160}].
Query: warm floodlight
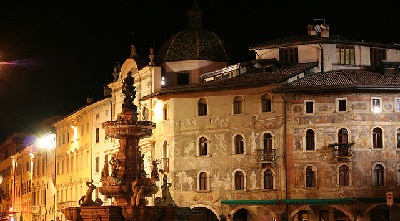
[{"x": 48, "y": 141}]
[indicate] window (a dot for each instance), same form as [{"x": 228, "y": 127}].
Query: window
[
  {"x": 376, "y": 105},
  {"x": 97, "y": 166},
  {"x": 398, "y": 175},
  {"x": 239, "y": 145},
  {"x": 165, "y": 112},
  {"x": 343, "y": 139},
  {"x": 202, "y": 107},
  {"x": 202, "y": 146},
  {"x": 377, "y": 137},
  {"x": 311, "y": 180},
  {"x": 238, "y": 105},
  {"x": 97, "y": 116},
  {"x": 239, "y": 180},
  {"x": 341, "y": 105},
  {"x": 398, "y": 137},
  {"x": 377, "y": 56},
  {"x": 344, "y": 175},
  {"x": 145, "y": 113},
  {"x": 309, "y": 107},
  {"x": 268, "y": 179},
  {"x": 266, "y": 103},
  {"x": 397, "y": 103},
  {"x": 97, "y": 135},
  {"x": 203, "y": 181},
  {"x": 345, "y": 55},
  {"x": 288, "y": 55},
  {"x": 82, "y": 131},
  {"x": 310, "y": 141},
  {"x": 378, "y": 178},
  {"x": 268, "y": 154}
]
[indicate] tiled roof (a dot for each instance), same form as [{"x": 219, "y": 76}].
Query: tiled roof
[
  {"x": 253, "y": 79},
  {"x": 315, "y": 39},
  {"x": 343, "y": 80}
]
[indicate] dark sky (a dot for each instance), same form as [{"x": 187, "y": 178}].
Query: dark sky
[{"x": 57, "y": 53}]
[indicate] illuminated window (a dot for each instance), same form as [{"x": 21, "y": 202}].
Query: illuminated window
[
  {"x": 378, "y": 175},
  {"x": 376, "y": 105},
  {"x": 239, "y": 144},
  {"x": 97, "y": 164},
  {"x": 377, "y": 56},
  {"x": 202, "y": 146},
  {"x": 344, "y": 175},
  {"x": 238, "y": 105},
  {"x": 345, "y": 55},
  {"x": 397, "y": 103},
  {"x": 239, "y": 180},
  {"x": 202, "y": 107},
  {"x": 377, "y": 137},
  {"x": 268, "y": 179},
  {"x": 310, "y": 140},
  {"x": 288, "y": 55},
  {"x": 266, "y": 103}
]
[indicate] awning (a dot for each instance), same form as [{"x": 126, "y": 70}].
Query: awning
[
  {"x": 250, "y": 202},
  {"x": 319, "y": 201},
  {"x": 376, "y": 200}
]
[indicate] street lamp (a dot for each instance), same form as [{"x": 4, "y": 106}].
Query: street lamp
[{"x": 48, "y": 143}]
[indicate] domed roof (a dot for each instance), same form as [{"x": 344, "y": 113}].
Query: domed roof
[{"x": 194, "y": 43}]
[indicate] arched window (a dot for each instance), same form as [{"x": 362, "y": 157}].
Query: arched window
[
  {"x": 267, "y": 147},
  {"x": 310, "y": 141},
  {"x": 378, "y": 175},
  {"x": 239, "y": 180},
  {"x": 238, "y": 105},
  {"x": 203, "y": 181},
  {"x": 266, "y": 103},
  {"x": 239, "y": 144},
  {"x": 165, "y": 159},
  {"x": 343, "y": 149},
  {"x": 145, "y": 113},
  {"x": 165, "y": 112},
  {"x": 377, "y": 137},
  {"x": 202, "y": 107},
  {"x": 344, "y": 175},
  {"x": 268, "y": 179},
  {"x": 203, "y": 146},
  {"x": 311, "y": 179}
]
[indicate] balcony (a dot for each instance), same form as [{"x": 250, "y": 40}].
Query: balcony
[
  {"x": 266, "y": 156},
  {"x": 341, "y": 151},
  {"x": 63, "y": 205}
]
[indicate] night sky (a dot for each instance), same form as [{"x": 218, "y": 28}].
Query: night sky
[{"x": 54, "y": 54}]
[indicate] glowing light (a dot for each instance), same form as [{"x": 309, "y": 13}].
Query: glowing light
[{"x": 47, "y": 142}]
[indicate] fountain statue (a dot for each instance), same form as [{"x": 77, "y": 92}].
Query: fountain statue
[{"x": 124, "y": 177}]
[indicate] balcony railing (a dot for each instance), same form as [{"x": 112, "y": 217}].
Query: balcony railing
[
  {"x": 63, "y": 205},
  {"x": 266, "y": 156},
  {"x": 341, "y": 150}
]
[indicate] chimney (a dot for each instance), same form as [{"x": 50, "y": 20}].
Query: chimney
[
  {"x": 311, "y": 30},
  {"x": 325, "y": 31}
]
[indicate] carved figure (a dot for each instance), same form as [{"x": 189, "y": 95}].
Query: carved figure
[
  {"x": 114, "y": 165},
  {"x": 154, "y": 171},
  {"x": 86, "y": 200},
  {"x": 166, "y": 199}
]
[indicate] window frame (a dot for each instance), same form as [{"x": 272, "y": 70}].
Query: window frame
[
  {"x": 268, "y": 179},
  {"x": 377, "y": 55},
  {"x": 203, "y": 181},
  {"x": 345, "y": 54},
  {"x": 202, "y": 106},
  {"x": 239, "y": 181},
  {"x": 376, "y": 104},
  {"x": 310, "y": 140},
  {"x": 203, "y": 146},
  {"x": 289, "y": 55},
  {"x": 340, "y": 105},
  {"x": 238, "y": 144},
  {"x": 310, "y": 173},
  {"x": 377, "y": 138},
  {"x": 378, "y": 175},
  {"x": 343, "y": 175},
  {"x": 238, "y": 106},
  {"x": 309, "y": 104},
  {"x": 266, "y": 103}
]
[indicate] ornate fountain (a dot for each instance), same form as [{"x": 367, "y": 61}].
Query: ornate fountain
[{"x": 124, "y": 177}]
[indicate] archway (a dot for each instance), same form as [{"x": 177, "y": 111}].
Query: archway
[
  {"x": 242, "y": 215},
  {"x": 202, "y": 214}
]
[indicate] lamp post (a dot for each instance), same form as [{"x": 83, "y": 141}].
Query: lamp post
[{"x": 48, "y": 143}]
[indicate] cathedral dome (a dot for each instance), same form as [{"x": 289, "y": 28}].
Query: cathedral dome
[{"x": 194, "y": 43}]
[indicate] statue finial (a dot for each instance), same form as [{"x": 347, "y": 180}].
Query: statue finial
[{"x": 152, "y": 56}]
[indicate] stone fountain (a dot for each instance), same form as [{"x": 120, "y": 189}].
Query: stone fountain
[{"x": 124, "y": 177}]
